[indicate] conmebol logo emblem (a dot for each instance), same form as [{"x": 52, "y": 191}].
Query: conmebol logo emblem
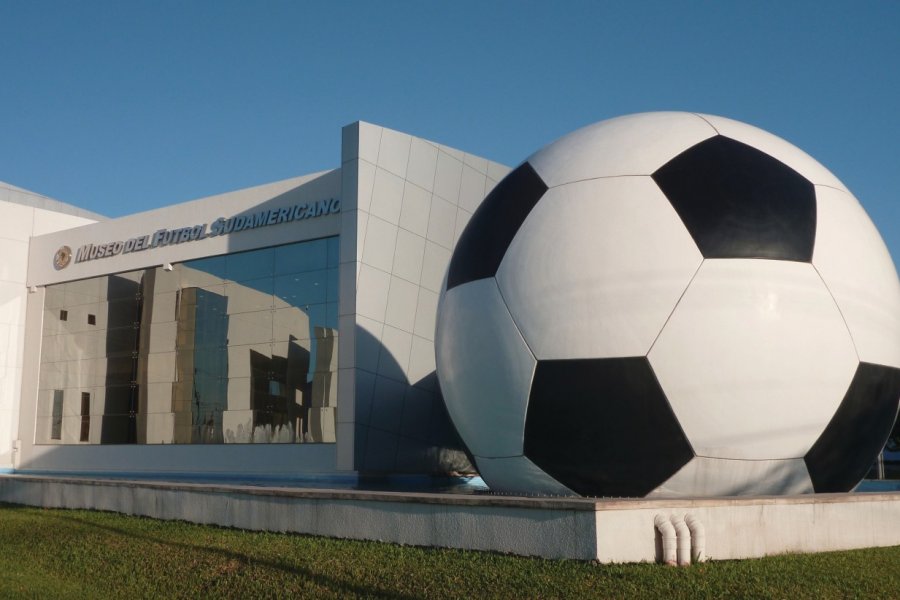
[{"x": 62, "y": 257}]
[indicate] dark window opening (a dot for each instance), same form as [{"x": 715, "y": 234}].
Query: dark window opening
[
  {"x": 85, "y": 416},
  {"x": 63, "y": 315},
  {"x": 92, "y": 320},
  {"x": 56, "y": 421}
]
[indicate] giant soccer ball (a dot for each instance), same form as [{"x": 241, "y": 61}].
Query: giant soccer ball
[{"x": 670, "y": 304}]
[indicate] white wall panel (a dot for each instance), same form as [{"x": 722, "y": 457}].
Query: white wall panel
[
  {"x": 422, "y": 164},
  {"x": 161, "y": 367},
  {"x": 496, "y": 172},
  {"x": 381, "y": 239},
  {"x": 10, "y": 385},
  {"x": 365, "y": 181},
  {"x": 453, "y": 152},
  {"x": 14, "y": 265},
  {"x": 421, "y": 360},
  {"x": 597, "y": 268},
  {"x": 350, "y": 230},
  {"x": 755, "y": 359},
  {"x": 350, "y": 142},
  {"x": 387, "y": 196},
  {"x": 347, "y": 286},
  {"x": 417, "y": 407},
  {"x": 15, "y": 354},
  {"x": 164, "y": 335},
  {"x": 415, "y": 209},
  {"x": 346, "y": 343},
  {"x": 12, "y": 302},
  {"x": 401, "y": 306},
  {"x": 346, "y": 411},
  {"x": 476, "y": 162},
  {"x": 442, "y": 222},
  {"x": 393, "y": 360},
  {"x": 387, "y": 406},
  {"x": 349, "y": 186},
  {"x": 426, "y": 313},
  {"x": 471, "y": 190},
  {"x": 163, "y": 308},
  {"x": 365, "y": 390},
  {"x": 434, "y": 266},
  {"x": 17, "y": 222},
  {"x": 408, "y": 256},
  {"x": 47, "y": 221},
  {"x": 368, "y": 343},
  {"x": 362, "y": 229},
  {"x": 346, "y": 446},
  {"x": 6, "y": 338},
  {"x": 447, "y": 177},
  {"x": 393, "y": 153},
  {"x": 462, "y": 219},
  {"x": 369, "y": 141}
]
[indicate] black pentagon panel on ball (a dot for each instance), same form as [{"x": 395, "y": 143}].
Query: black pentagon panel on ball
[
  {"x": 857, "y": 432},
  {"x": 491, "y": 229},
  {"x": 603, "y": 427},
  {"x": 739, "y": 202}
]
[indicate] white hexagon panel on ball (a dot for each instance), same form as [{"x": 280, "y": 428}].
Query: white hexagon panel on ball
[
  {"x": 599, "y": 290},
  {"x": 670, "y": 304},
  {"x": 752, "y": 342},
  {"x": 471, "y": 355}
]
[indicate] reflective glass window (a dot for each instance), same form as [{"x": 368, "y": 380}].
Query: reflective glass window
[
  {"x": 291, "y": 259},
  {"x": 238, "y": 348},
  {"x": 301, "y": 289},
  {"x": 245, "y": 266}
]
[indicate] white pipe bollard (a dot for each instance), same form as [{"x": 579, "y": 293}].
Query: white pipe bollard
[
  {"x": 683, "y": 536},
  {"x": 664, "y": 525},
  {"x": 698, "y": 538}
]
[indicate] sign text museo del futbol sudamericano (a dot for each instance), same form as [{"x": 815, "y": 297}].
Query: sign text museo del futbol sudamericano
[{"x": 221, "y": 226}]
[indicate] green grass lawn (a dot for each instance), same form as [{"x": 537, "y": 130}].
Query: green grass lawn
[{"x": 84, "y": 554}]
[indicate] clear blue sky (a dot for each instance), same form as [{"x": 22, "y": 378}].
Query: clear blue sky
[{"x": 127, "y": 105}]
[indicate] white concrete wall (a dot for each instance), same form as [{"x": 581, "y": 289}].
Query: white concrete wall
[
  {"x": 614, "y": 531},
  {"x": 406, "y": 201},
  {"x": 22, "y": 214},
  {"x": 518, "y": 526},
  {"x": 755, "y": 526}
]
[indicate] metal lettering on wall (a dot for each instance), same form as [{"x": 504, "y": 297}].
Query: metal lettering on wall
[{"x": 221, "y": 226}]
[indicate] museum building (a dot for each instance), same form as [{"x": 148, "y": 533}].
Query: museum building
[{"x": 284, "y": 330}]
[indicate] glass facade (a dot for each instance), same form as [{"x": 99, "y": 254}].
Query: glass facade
[{"x": 237, "y": 348}]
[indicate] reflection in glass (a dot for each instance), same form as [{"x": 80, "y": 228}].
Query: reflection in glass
[{"x": 239, "y": 348}]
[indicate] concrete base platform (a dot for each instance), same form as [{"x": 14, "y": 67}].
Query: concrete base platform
[{"x": 585, "y": 529}]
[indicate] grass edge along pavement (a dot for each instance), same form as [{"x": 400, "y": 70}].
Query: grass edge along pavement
[{"x": 53, "y": 553}]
